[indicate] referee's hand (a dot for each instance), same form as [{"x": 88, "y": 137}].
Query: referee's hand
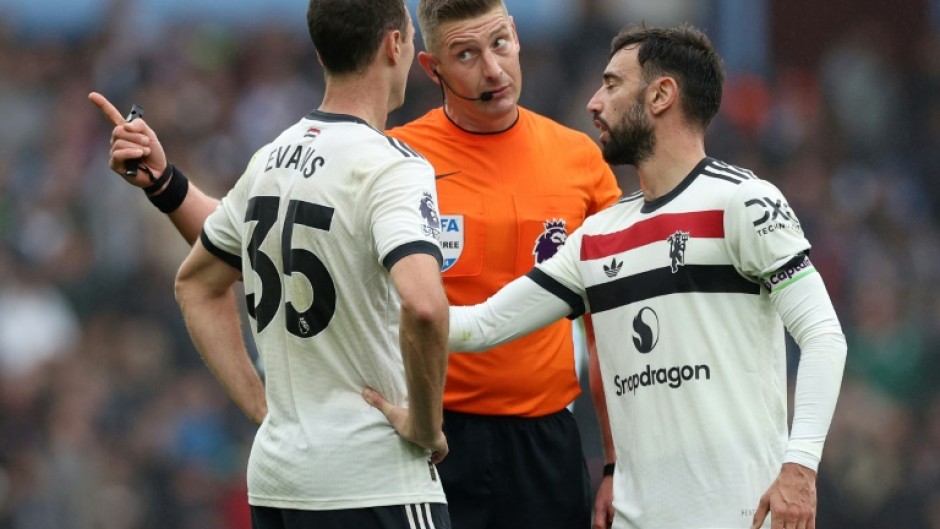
[
  {"x": 400, "y": 419},
  {"x": 131, "y": 141}
]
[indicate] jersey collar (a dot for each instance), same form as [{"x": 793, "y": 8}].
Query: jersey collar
[
  {"x": 650, "y": 206},
  {"x": 330, "y": 117},
  {"x": 493, "y": 133}
]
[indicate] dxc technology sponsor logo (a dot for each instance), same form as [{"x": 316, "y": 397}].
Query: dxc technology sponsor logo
[{"x": 775, "y": 215}]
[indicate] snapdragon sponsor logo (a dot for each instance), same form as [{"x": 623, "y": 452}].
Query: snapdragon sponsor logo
[
  {"x": 645, "y": 330},
  {"x": 672, "y": 377},
  {"x": 646, "y": 333}
]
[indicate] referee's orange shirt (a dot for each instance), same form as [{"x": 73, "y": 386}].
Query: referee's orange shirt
[{"x": 507, "y": 200}]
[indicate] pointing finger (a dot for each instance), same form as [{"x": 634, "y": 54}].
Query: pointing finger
[{"x": 110, "y": 113}]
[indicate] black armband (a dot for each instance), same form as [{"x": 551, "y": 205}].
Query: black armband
[
  {"x": 157, "y": 183},
  {"x": 174, "y": 194},
  {"x": 609, "y": 469}
]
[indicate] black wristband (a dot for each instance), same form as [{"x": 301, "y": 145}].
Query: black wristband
[
  {"x": 609, "y": 469},
  {"x": 159, "y": 182},
  {"x": 174, "y": 194}
]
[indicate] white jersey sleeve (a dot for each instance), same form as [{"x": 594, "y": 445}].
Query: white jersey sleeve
[
  {"x": 520, "y": 307},
  {"x": 808, "y": 314},
  {"x": 403, "y": 212},
  {"x": 550, "y": 291},
  {"x": 222, "y": 231},
  {"x": 762, "y": 232},
  {"x": 766, "y": 243},
  {"x": 560, "y": 274}
]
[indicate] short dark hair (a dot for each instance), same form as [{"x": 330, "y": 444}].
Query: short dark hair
[
  {"x": 433, "y": 13},
  {"x": 683, "y": 52},
  {"x": 347, "y": 33}
]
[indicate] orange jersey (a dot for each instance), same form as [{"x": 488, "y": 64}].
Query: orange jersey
[{"x": 507, "y": 201}]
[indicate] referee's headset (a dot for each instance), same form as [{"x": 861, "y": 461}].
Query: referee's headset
[{"x": 484, "y": 97}]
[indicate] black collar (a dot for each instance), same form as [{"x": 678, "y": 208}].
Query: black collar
[{"x": 650, "y": 206}]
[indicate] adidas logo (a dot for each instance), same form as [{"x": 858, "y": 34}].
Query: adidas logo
[{"x": 614, "y": 268}]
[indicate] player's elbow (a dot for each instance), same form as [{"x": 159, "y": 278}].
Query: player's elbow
[
  {"x": 183, "y": 289},
  {"x": 426, "y": 311},
  {"x": 418, "y": 282},
  {"x": 187, "y": 286}
]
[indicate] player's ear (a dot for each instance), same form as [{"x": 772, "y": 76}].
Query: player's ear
[
  {"x": 662, "y": 93},
  {"x": 392, "y": 44},
  {"x": 429, "y": 64}
]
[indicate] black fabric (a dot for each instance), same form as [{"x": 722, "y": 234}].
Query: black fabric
[
  {"x": 560, "y": 291},
  {"x": 652, "y": 205},
  {"x": 172, "y": 197},
  {"x": 331, "y": 117},
  {"x": 157, "y": 182},
  {"x": 662, "y": 282},
  {"x": 387, "y": 517},
  {"x": 507, "y": 472},
  {"x": 235, "y": 261},
  {"x": 412, "y": 248}
]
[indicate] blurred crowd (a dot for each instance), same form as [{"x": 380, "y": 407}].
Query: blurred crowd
[{"x": 109, "y": 419}]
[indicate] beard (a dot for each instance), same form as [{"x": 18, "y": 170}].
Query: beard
[{"x": 631, "y": 141}]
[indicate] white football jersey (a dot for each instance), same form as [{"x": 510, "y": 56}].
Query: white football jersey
[
  {"x": 692, "y": 352},
  {"x": 315, "y": 223}
]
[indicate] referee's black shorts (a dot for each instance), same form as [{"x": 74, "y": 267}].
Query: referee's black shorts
[
  {"x": 413, "y": 516},
  {"x": 515, "y": 472}
]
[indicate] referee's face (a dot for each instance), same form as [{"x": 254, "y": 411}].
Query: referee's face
[{"x": 476, "y": 56}]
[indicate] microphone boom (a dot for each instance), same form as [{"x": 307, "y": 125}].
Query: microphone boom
[{"x": 484, "y": 97}]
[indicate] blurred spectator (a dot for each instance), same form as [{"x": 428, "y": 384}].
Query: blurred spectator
[
  {"x": 37, "y": 323},
  {"x": 862, "y": 88}
]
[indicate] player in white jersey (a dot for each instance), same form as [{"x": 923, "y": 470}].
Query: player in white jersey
[
  {"x": 334, "y": 228},
  {"x": 690, "y": 283},
  {"x": 330, "y": 206}
]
